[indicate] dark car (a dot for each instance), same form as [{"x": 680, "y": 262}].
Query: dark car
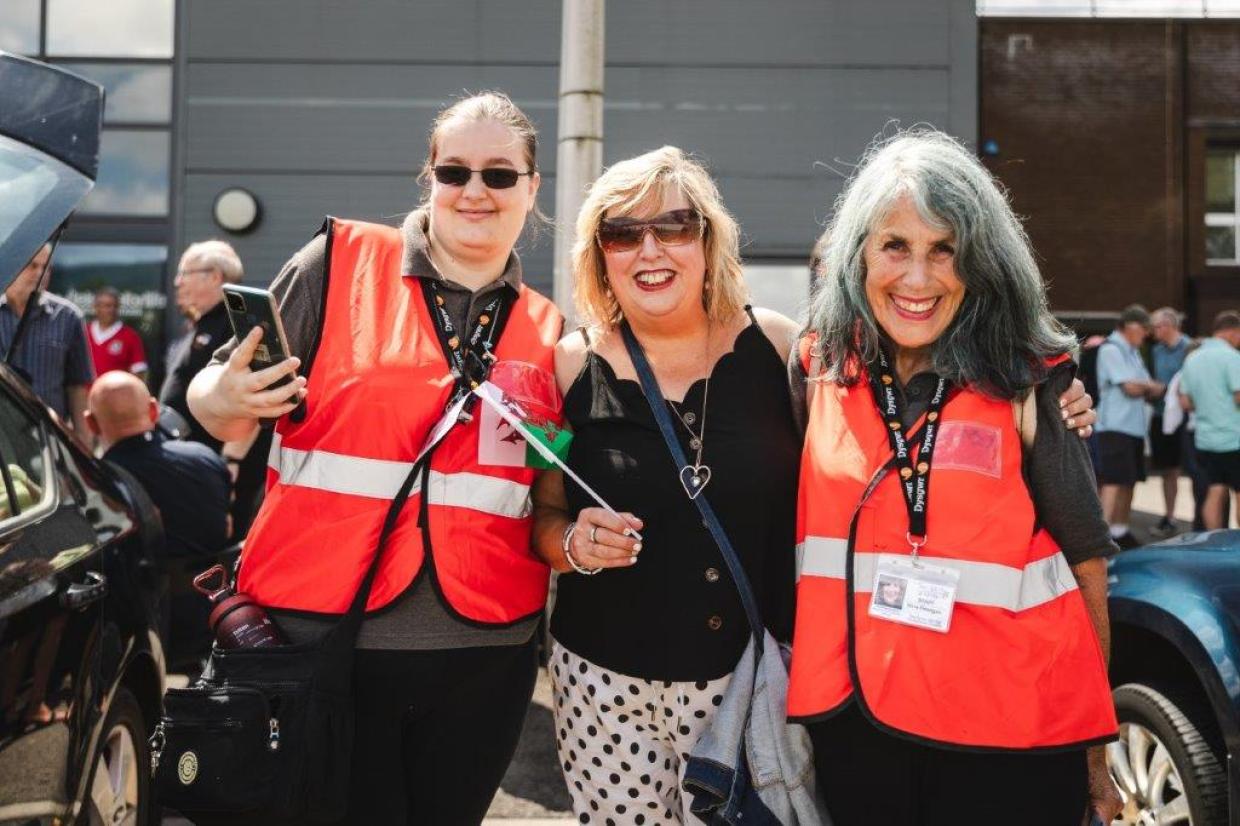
[
  {"x": 1175, "y": 668},
  {"x": 81, "y": 667}
]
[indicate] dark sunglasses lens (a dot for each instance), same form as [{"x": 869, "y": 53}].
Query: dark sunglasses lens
[
  {"x": 675, "y": 234},
  {"x": 452, "y": 175},
  {"x": 618, "y": 238},
  {"x": 500, "y": 178}
]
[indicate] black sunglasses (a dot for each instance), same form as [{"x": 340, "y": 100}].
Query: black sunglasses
[
  {"x": 495, "y": 177},
  {"x": 671, "y": 229}
]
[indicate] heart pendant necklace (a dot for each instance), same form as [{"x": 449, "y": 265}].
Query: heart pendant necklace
[{"x": 696, "y": 476}]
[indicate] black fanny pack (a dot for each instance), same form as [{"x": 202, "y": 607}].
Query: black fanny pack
[{"x": 265, "y": 736}]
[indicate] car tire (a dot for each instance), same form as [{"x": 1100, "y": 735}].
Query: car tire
[
  {"x": 1149, "y": 718},
  {"x": 123, "y": 793}
]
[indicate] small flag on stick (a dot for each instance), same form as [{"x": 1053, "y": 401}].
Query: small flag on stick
[{"x": 545, "y": 442}]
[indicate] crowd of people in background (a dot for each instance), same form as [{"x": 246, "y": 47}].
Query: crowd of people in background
[
  {"x": 95, "y": 375},
  {"x": 1173, "y": 400}
]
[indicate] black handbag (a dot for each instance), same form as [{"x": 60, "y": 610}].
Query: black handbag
[{"x": 265, "y": 736}]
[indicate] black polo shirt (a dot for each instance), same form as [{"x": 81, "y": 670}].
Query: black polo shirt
[
  {"x": 189, "y": 484},
  {"x": 194, "y": 353}
]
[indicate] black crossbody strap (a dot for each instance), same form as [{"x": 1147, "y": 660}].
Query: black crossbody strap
[
  {"x": 389, "y": 524},
  {"x": 658, "y": 406}
]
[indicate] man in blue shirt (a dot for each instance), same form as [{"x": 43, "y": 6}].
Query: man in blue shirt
[
  {"x": 1168, "y": 353},
  {"x": 1124, "y": 386},
  {"x": 53, "y": 352},
  {"x": 1210, "y": 386}
]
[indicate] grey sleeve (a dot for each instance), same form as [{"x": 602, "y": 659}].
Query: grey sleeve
[
  {"x": 1061, "y": 480},
  {"x": 299, "y": 293},
  {"x": 797, "y": 389}
]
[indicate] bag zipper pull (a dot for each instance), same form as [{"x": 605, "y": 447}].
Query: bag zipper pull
[
  {"x": 157, "y": 746},
  {"x": 273, "y": 739}
]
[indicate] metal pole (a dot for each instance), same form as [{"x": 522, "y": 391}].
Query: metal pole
[{"x": 580, "y": 147}]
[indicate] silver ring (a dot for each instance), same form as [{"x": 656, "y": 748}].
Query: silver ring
[{"x": 593, "y": 531}]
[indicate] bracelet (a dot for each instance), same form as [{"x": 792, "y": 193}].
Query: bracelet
[{"x": 577, "y": 566}]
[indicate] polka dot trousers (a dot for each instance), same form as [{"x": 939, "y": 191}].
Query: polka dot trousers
[{"x": 623, "y": 741}]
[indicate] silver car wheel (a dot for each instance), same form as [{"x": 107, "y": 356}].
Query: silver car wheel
[
  {"x": 114, "y": 791},
  {"x": 1148, "y": 779}
]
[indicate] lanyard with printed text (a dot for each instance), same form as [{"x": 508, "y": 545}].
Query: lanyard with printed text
[
  {"x": 469, "y": 360},
  {"x": 914, "y": 479}
]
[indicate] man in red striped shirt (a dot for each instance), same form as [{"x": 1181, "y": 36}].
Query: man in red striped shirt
[{"x": 114, "y": 345}]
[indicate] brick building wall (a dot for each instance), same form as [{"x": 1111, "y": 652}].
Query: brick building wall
[{"x": 1099, "y": 129}]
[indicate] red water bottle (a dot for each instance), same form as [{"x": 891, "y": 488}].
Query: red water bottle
[{"x": 237, "y": 621}]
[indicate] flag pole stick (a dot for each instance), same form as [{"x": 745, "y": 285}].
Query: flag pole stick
[{"x": 544, "y": 451}]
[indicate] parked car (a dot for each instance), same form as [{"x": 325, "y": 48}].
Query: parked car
[
  {"x": 81, "y": 667},
  {"x": 1175, "y": 670}
]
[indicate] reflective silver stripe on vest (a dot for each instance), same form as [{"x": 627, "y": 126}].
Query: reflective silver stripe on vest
[
  {"x": 381, "y": 479},
  {"x": 981, "y": 583}
]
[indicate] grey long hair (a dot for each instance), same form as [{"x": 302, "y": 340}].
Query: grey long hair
[{"x": 1003, "y": 330}]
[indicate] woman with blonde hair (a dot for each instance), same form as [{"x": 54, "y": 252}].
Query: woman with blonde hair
[
  {"x": 643, "y": 650},
  {"x": 389, "y": 327}
]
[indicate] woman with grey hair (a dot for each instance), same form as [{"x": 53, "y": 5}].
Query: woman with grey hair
[{"x": 932, "y": 355}]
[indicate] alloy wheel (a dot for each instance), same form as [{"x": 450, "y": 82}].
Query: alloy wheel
[
  {"x": 114, "y": 790},
  {"x": 1148, "y": 779}
]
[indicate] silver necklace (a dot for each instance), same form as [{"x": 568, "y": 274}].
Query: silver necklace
[{"x": 696, "y": 476}]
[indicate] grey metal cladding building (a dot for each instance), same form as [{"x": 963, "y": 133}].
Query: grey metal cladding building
[{"x": 322, "y": 107}]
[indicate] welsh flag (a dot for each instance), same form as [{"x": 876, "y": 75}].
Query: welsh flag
[
  {"x": 519, "y": 410},
  {"x": 519, "y": 413}
]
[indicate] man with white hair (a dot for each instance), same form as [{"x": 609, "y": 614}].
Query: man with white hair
[
  {"x": 204, "y": 270},
  {"x": 1168, "y": 353}
]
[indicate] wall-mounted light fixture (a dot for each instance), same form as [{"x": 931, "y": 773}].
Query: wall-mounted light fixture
[{"x": 237, "y": 210}]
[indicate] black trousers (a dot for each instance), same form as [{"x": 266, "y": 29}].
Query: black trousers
[
  {"x": 870, "y": 778},
  {"x": 436, "y": 731}
]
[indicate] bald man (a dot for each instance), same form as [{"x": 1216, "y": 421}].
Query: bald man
[{"x": 188, "y": 481}]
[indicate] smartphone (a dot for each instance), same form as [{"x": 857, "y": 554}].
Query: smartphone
[{"x": 249, "y": 307}]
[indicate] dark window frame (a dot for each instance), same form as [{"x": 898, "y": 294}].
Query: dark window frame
[{"x": 1203, "y": 138}]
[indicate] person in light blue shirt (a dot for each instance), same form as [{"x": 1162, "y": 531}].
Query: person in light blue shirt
[
  {"x": 1210, "y": 387},
  {"x": 1166, "y": 449},
  {"x": 1124, "y": 386}
]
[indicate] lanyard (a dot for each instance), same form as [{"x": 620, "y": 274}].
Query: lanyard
[
  {"x": 470, "y": 360},
  {"x": 914, "y": 480}
]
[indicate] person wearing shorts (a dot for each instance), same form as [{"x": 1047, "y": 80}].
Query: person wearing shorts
[
  {"x": 1210, "y": 387},
  {"x": 1124, "y": 386},
  {"x": 1170, "y": 348}
]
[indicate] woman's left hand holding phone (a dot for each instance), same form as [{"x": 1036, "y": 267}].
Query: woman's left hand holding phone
[{"x": 242, "y": 393}]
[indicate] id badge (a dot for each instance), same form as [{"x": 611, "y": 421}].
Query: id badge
[{"x": 916, "y": 593}]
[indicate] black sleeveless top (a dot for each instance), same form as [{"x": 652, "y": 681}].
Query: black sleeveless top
[{"x": 675, "y": 615}]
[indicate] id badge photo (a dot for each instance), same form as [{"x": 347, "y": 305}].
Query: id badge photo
[{"x": 914, "y": 592}]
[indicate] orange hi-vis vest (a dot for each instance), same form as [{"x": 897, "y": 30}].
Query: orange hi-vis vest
[
  {"x": 1020, "y": 667},
  {"x": 378, "y": 383}
]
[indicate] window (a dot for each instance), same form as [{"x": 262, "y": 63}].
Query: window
[
  {"x": 19, "y": 27},
  {"x": 133, "y": 174},
  {"x": 117, "y": 28},
  {"x": 126, "y": 46},
  {"x": 137, "y": 93},
  {"x": 23, "y": 463},
  {"x": 1222, "y": 218},
  {"x": 135, "y": 270}
]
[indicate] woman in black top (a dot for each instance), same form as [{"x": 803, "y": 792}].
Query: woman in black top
[{"x": 644, "y": 649}]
